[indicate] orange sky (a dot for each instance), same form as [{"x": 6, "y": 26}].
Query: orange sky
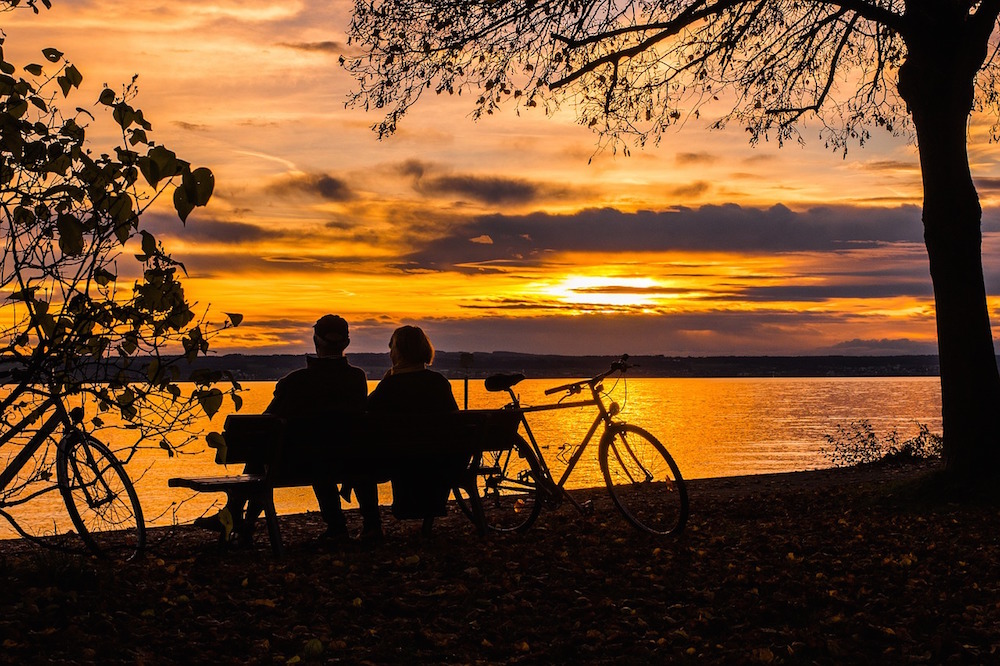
[{"x": 498, "y": 234}]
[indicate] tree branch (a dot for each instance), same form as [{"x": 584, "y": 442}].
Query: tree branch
[{"x": 666, "y": 30}]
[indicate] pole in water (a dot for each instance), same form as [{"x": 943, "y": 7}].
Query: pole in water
[{"x": 465, "y": 360}]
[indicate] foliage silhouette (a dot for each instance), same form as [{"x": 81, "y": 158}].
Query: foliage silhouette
[
  {"x": 93, "y": 311},
  {"x": 633, "y": 69},
  {"x": 859, "y": 444}
]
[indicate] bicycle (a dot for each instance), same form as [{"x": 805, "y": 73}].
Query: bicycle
[
  {"x": 644, "y": 482},
  {"x": 97, "y": 491}
]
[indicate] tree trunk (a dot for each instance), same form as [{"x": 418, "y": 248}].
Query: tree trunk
[{"x": 938, "y": 91}]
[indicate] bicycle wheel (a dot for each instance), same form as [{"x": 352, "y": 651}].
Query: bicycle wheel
[
  {"x": 643, "y": 480},
  {"x": 100, "y": 498},
  {"x": 508, "y": 488}
]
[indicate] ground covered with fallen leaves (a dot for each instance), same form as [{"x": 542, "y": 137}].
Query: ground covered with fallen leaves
[{"x": 830, "y": 567}]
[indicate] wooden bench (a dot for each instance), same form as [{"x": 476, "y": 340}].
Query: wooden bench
[{"x": 415, "y": 452}]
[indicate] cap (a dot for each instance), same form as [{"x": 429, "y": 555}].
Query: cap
[{"x": 331, "y": 328}]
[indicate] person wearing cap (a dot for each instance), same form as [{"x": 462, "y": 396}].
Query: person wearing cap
[{"x": 327, "y": 386}]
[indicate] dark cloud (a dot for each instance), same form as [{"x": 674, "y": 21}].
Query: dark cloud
[
  {"x": 685, "y": 159},
  {"x": 527, "y": 239},
  {"x": 691, "y": 190},
  {"x": 987, "y": 184},
  {"x": 890, "y": 165},
  {"x": 218, "y": 231},
  {"x": 883, "y": 347},
  {"x": 494, "y": 190},
  {"x": 326, "y": 47},
  {"x": 681, "y": 334},
  {"x": 814, "y": 293},
  {"x": 491, "y": 190},
  {"x": 191, "y": 127},
  {"x": 313, "y": 184}
]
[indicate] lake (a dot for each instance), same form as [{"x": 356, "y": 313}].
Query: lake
[{"x": 712, "y": 427}]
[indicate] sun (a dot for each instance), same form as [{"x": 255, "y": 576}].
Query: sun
[{"x": 610, "y": 292}]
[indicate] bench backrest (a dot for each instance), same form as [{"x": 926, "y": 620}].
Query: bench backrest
[
  {"x": 251, "y": 438},
  {"x": 297, "y": 450}
]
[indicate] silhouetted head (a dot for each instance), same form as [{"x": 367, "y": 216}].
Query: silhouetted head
[
  {"x": 330, "y": 335},
  {"x": 409, "y": 345}
]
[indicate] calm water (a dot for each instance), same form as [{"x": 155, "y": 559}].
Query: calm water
[{"x": 712, "y": 427}]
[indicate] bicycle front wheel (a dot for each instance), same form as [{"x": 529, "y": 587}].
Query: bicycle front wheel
[
  {"x": 508, "y": 488},
  {"x": 643, "y": 480},
  {"x": 100, "y": 498}
]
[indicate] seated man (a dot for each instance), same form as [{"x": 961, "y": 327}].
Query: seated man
[{"x": 327, "y": 386}]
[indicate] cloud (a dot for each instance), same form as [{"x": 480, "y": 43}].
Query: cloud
[
  {"x": 320, "y": 185},
  {"x": 676, "y": 334},
  {"x": 883, "y": 347},
  {"x": 890, "y": 165},
  {"x": 326, "y": 47},
  {"x": 687, "y": 159},
  {"x": 431, "y": 180},
  {"x": 489, "y": 189},
  {"x": 526, "y": 239},
  {"x": 191, "y": 127},
  {"x": 207, "y": 230},
  {"x": 987, "y": 184},
  {"x": 815, "y": 293}
]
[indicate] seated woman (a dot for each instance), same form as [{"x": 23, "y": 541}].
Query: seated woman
[{"x": 411, "y": 388}]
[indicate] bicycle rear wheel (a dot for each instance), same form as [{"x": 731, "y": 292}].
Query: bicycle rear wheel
[
  {"x": 100, "y": 498},
  {"x": 508, "y": 488},
  {"x": 643, "y": 480}
]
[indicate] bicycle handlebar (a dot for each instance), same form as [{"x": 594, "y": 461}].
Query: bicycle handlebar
[{"x": 621, "y": 365}]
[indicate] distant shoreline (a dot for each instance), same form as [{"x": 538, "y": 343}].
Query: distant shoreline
[{"x": 249, "y": 367}]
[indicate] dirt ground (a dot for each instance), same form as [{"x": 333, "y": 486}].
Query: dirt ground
[{"x": 829, "y": 567}]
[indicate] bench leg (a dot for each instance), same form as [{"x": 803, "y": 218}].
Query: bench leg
[
  {"x": 273, "y": 532},
  {"x": 475, "y": 504},
  {"x": 262, "y": 501}
]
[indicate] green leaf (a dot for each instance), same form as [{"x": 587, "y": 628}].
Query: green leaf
[
  {"x": 64, "y": 84},
  {"x": 235, "y": 318},
  {"x": 107, "y": 97},
  {"x": 52, "y": 55},
  {"x": 33, "y": 69}
]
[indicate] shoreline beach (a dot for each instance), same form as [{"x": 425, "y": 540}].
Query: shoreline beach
[{"x": 831, "y": 566}]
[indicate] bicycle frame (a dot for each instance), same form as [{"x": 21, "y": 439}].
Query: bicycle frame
[
  {"x": 604, "y": 417},
  {"x": 37, "y": 440}
]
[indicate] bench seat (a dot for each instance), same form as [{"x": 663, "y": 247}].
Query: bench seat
[{"x": 414, "y": 452}]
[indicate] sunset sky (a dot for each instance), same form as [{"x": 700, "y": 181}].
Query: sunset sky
[{"x": 498, "y": 234}]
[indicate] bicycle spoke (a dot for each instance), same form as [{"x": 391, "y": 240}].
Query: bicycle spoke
[
  {"x": 100, "y": 498},
  {"x": 643, "y": 480}
]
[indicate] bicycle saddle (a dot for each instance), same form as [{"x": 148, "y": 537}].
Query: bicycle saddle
[{"x": 503, "y": 382}]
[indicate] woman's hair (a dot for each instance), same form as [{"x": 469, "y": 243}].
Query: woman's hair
[{"x": 412, "y": 345}]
